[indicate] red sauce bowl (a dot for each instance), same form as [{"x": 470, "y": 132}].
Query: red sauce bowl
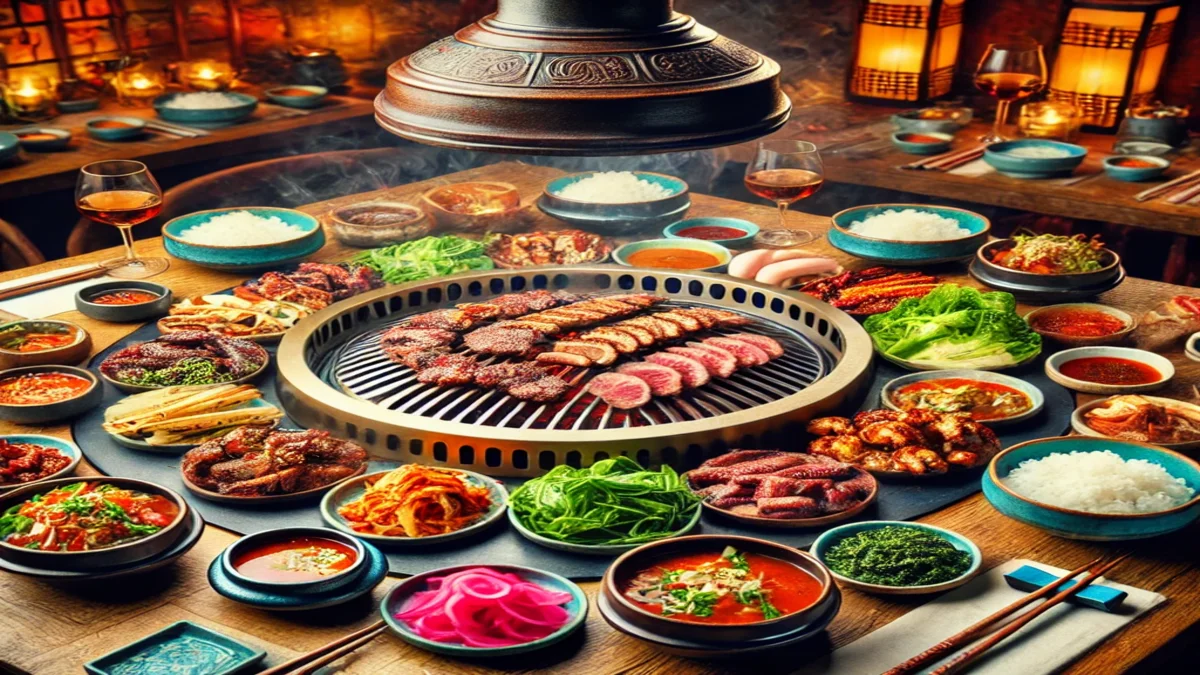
[
  {"x": 1108, "y": 360},
  {"x": 237, "y": 553},
  {"x": 1082, "y": 324}
]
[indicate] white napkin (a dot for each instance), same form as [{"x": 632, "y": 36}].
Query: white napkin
[
  {"x": 41, "y": 304},
  {"x": 972, "y": 169},
  {"x": 1046, "y": 645}
]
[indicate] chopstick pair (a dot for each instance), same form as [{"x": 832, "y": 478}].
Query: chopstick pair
[
  {"x": 42, "y": 282},
  {"x": 1095, "y": 569},
  {"x": 1170, "y": 188},
  {"x": 328, "y": 653},
  {"x": 947, "y": 161}
]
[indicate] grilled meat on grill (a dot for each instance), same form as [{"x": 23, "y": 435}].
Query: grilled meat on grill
[
  {"x": 401, "y": 341},
  {"x": 620, "y": 390},
  {"x": 717, "y": 361},
  {"x": 501, "y": 339},
  {"x": 693, "y": 372}
]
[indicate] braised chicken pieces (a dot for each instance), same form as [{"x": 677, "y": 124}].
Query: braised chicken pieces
[
  {"x": 257, "y": 461},
  {"x": 917, "y": 442},
  {"x": 313, "y": 285},
  {"x": 780, "y": 485}
]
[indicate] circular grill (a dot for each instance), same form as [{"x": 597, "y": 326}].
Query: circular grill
[{"x": 333, "y": 376}]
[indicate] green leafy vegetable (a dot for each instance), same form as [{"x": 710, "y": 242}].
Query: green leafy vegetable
[
  {"x": 897, "y": 556},
  {"x": 195, "y": 370},
  {"x": 955, "y": 327},
  {"x": 426, "y": 257},
  {"x": 614, "y": 501}
]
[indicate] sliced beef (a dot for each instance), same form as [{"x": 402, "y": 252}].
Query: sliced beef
[
  {"x": 447, "y": 319},
  {"x": 501, "y": 339},
  {"x": 500, "y": 374},
  {"x": 693, "y": 372},
  {"x": 620, "y": 390},
  {"x": 718, "y": 362},
  {"x": 686, "y": 323},
  {"x": 728, "y": 318},
  {"x": 638, "y": 299},
  {"x": 644, "y": 337},
  {"x": 706, "y": 318},
  {"x": 768, "y": 345},
  {"x": 541, "y": 390},
  {"x": 663, "y": 381},
  {"x": 401, "y": 341},
  {"x": 564, "y": 359},
  {"x": 540, "y": 326},
  {"x": 745, "y": 353},
  {"x": 449, "y": 370},
  {"x": 649, "y": 324},
  {"x": 622, "y": 342},
  {"x": 600, "y": 353}
]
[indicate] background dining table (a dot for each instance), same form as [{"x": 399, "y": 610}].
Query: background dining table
[{"x": 55, "y": 629}]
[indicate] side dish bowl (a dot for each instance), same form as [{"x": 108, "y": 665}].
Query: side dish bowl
[
  {"x": 1073, "y": 524},
  {"x": 1036, "y": 397},
  {"x": 251, "y": 541},
  {"x": 912, "y": 120},
  {"x": 1061, "y": 339},
  {"x": 1080, "y": 425},
  {"x": 67, "y": 448},
  {"x": 625, "y": 218},
  {"x": 206, "y": 117},
  {"x": 245, "y": 257},
  {"x": 999, "y": 156},
  {"x": 831, "y": 537},
  {"x": 123, "y": 313},
  {"x": 372, "y": 224},
  {"x": 74, "y": 352},
  {"x": 1110, "y": 269},
  {"x": 585, "y": 549},
  {"x": 137, "y": 388},
  {"x": 461, "y": 207},
  {"x": 287, "y": 95},
  {"x": 905, "y": 253},
  {"x": 912, "y": 143},
  {"x": 125, "y": 128},
  {"x": 42, "y": 413},
  {"x": 1055, "y": 362},
  {"x": 749, "y": 229},
  {"x": 1114, "y": 169},
  {"x": 61, "y": 139},
  {"x": 10, "y": 146},
  {"x": 723, "y": 255}
]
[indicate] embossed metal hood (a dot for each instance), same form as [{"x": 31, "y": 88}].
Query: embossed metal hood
[{"x": 583, "y": 77}]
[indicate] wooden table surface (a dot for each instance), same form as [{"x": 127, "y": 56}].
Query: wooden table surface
[
  {"x": 54, "y": 629},
  {"x": 270, "y": 127}
]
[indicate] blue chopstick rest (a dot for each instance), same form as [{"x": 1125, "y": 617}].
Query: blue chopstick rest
[{"x": 1096, "y": 596}]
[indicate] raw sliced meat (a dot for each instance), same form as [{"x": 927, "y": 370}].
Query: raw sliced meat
[
  {"x": 601, "y": 353},
  {"x": 745, "y": 353},
  {"x": 768, "y": 345},
  {"x": 718, "y": 362},
  {"x": 663, "y": 381},
  {"x": 620, "y": 390},
  {"x": 564, "y": 359},
  {"x": 693, "y": 372}
]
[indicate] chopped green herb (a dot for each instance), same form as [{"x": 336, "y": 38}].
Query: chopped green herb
[{"x": 897, "y": 556}]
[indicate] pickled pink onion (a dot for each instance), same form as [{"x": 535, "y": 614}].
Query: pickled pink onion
[{"x": 485, "y": 608}]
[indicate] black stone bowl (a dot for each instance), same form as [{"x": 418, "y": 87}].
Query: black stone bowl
[{"x": 123, "y": 313}]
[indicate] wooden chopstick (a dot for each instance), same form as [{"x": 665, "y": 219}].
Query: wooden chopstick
[
  {"x": 43, "y": 284},
  {"x": 1150, "y": 193},
  {"x": 966, "y": 658},
  {"x": 945, "y": 158},
  {"x": 364, "y": 635},
  {"x": 336, "y": 654},
  {"x": 952, "y": 643}
]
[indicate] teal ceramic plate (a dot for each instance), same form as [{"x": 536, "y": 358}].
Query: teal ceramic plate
[
  {"x": 182, "y": 647},
  {"x": 67, "y": 448},
  {"x": 831, "y": 537},
  {"x": 999, "y": 156},
  {"x": 176, "y": 448},
  {"x": 1036, "y": 398},
  {"x": 724, "y": 255},
  {"x": 373, "y": 573},
  {"x": 609, "y": 550},
  {"x": 354, "y": 488},
  {"x": 902, "y": 253},
  {"x": 80, "y": 105},
  {"x": 395, "y": 598},
  {"x": 244, "y": 258},
  {"x": 750, "y": 229},
  {"x": 1073, "y": 524}
]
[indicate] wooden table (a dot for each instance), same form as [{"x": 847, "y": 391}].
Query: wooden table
[
  {"x": 271, "y": 127},
  {"x": 53, "y": 630}
]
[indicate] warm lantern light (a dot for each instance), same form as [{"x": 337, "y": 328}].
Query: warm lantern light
[
  {"x": 1111, "y": 55},
  {"x": 208, "y": 75},
  {"x": 136, "y": 86},
  {"x": 906, "y": 50},
  {"x": 1055, "y": 120},
  {"x": 33, "y": 95}
]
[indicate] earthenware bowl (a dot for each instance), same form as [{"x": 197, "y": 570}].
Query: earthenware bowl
[
  {"x": 450, "y": 207},
  {"x": 373, "y": 572},
  {"x": 70, "y": 354},
  {"x": 620, "y": 219},
  {"x": 42, "y": 413},
  {"x": 820, "y": 549},
  {"x": 585, "y": 549},
  {"x": 621, "y": 253},
  {"x": 373, "y": 224},
  {"x": 137, "y": 388},
  {"x": 10, "y": 146},
  {"x": 400, "y": 593},
  {"x": 329, "y": 583},
  {"x": 353, "y": 489},
  {"x": 61, "y": 139},
  {"x": 245, "y": 257},
  {"x": 1080, "y": 425},
  {"x": 1113, "y": 168},
  {"x": 311, "y": 100},
  {"x": 123, "y": 313},
  {"x": 121, "y": 554},
  {"x": 136, "y": 126},
  {"x": 1036, "y": 397},
  {"x": 1069, "y": 341},
  {"x": 622, "y": 571},
  {"x": 67, "y": 448},
  {"x": 1074, "y": 524},
  {"x": 1110, "y": 269},
  {"x": 906, "y": 141},
  {"x": 999, "y": 157},
  {"x": 904, "y": 253},
  {"x": 210, "y": 652},
  {"x": 206, "y": 117},
  {"x": 751, "y": 230},
  {"x": 1162, "y": 365}
]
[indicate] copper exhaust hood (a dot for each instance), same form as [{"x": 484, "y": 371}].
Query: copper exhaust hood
[{"x": 583, "y": 77}]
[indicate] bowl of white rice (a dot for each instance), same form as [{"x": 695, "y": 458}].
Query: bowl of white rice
[
  {"x": 205, "y": 108},
  {"x": 616, "y": 202},
  {"x": 908, "y": 234},
  {"x": 1098, "y": 489},
  {"x": 1034, "y": 158},
  {"x": 243, "y": 238}
]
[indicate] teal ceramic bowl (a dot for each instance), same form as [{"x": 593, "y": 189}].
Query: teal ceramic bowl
[
  {"x": 207, "y": 116},
  {"x": 67, "y": 448},
  {"x": 182, "y": 647},
  {"x": 243, "y": 258},
  {"x": 311, "y": 100},
  {"x": 81, "y": 105},
  {"x": 999, "y": 156},
  {"x": 911, "y": 120},
  {"x": 908, "y": 253},
  {"x": 1113, "y": 168},
  {"x": 830, "y": 538},
  {"x": 674, "y": 230},
  {"x": 61, "y": 139},
  {"x": 361, "y": 583},
  {"x": 10, "y": 146},
  {"x": 905, "y": 140},
  {"x": 401, "y": 592},
  {"x": 617, "y": 219},
  {"x": 1081, "y": 524},
  {"x": 248, "y": 543},
  {"x": 131, "y": 127},
  {"x": 724, "y": 255}
]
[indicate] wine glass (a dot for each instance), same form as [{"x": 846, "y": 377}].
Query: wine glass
[
  {"x": 121, "y": 193},
  {"x": 1010, "y": 72},
  {"x": 785, "y": 172}
]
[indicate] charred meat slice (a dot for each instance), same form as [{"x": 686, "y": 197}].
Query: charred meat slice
[
  {"x": 620, "y": 390},
  {"x": 497, "y": 375},
  {"x": 727, "y": 318},
  {"x": 663, "y": 381},
  {"x": 693, "y": 372},
  {"x": 621, "y": 341},
  {"x": 638, "y": 299},
  {"x": 401, "y": 341},
  {"x": 540, "y": 326},
  {"x": 500, "y": 339},
  {"x": 449, "y": 370},
  {"x": 769, "y": 345},
  {"x": 419, "y": 360},
  {"x": 648, "y": 324},
  {"x": 600, "y": 353},
  {"x": 685, "y": 322},
  {"x": 516, "y": 304},
  {"x": 718, "y": 362},
  {"x": 643, "y": 337},
  {"x": 455, "y": 320},
  {"x": 564, "y": 359},
  {"x": 745, "y": 353},
  {"x": 706, "y": 318},
  {"x": 540, "y": 390}
]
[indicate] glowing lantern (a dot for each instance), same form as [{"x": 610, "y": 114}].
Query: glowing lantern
[
  {"x": 1110, "y": 57},
  {"x": 906, "y": 50}
]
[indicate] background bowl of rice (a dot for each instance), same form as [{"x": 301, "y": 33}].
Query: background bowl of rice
[
  {"x": 241, "y": 106},
  {"x": 900, "y": 247},
  {"x": 617, "y": 218},
  {"x": 237, "y": 255},
  {"x": 1078, "y": 524}
]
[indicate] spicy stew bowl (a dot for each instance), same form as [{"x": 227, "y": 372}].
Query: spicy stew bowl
[{"x": 41, "y": 413}]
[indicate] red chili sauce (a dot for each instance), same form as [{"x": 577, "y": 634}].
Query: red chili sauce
[
  {"x": 1132, "y": 163},
  {"x": 711, "y": 232},
  {"x": 1110, "y": 370},
  {"x": 295, "y": 560},
  {"x": 921, "y": 138},
  {"x": 124, "y": 298},
  {"x": 1078, "y": 323}
]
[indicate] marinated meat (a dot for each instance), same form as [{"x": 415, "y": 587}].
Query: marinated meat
[
  {"x": 497, "y": 375},
  {"x": 621, "y": 341},
  {"x": 541, "y": 390},
  {"x": 255, "y": 461},
  {"x": 768, "y": 345},
  {"x": 718, "y": 362},
  {"x": 449, "y": 370},
  {"x": 516, "y": 304},
  {"x": 619, "y": 390},
  {"x": 400, "y": 341},
  {"x": 600, "y": 353},
  {"x": 579, "y": 312},
  {"x": 663, "y": 381},
  {"x": 706, "y": 318},
  {"x": 455, "y": 320},
  {"x": 686, "y": 323},
  {"x": 693, "y": 372},
  {"x": 745, "y": 353},
  {"x": 500, "y": 339},
  {"x": 648, "y": 324},
  {"x": 668, "y": 329},
  {"x": 540, "y": 326},
  {"x": 564, "y": 359},
  {"x": 638, "y": 299},
  {"x": 644, "y": 337},
  {"x": 235, "y": 356}
]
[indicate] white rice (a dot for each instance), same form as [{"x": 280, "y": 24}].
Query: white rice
[
  {"x": 1098, "y": 482},
  {"x": 1037, "y": 152},
  {"x": 909, "y": 225},
  {"x": 614, "y": 187},
  {"x": 203, "y": 100},
  {"x": 241, "y": 228}
]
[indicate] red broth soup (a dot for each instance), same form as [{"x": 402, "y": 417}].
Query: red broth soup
[
  {"x": 1110, "y": 370},
  {"x": 711, "y": 232},
  {"x": 295, "y": 560}
]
